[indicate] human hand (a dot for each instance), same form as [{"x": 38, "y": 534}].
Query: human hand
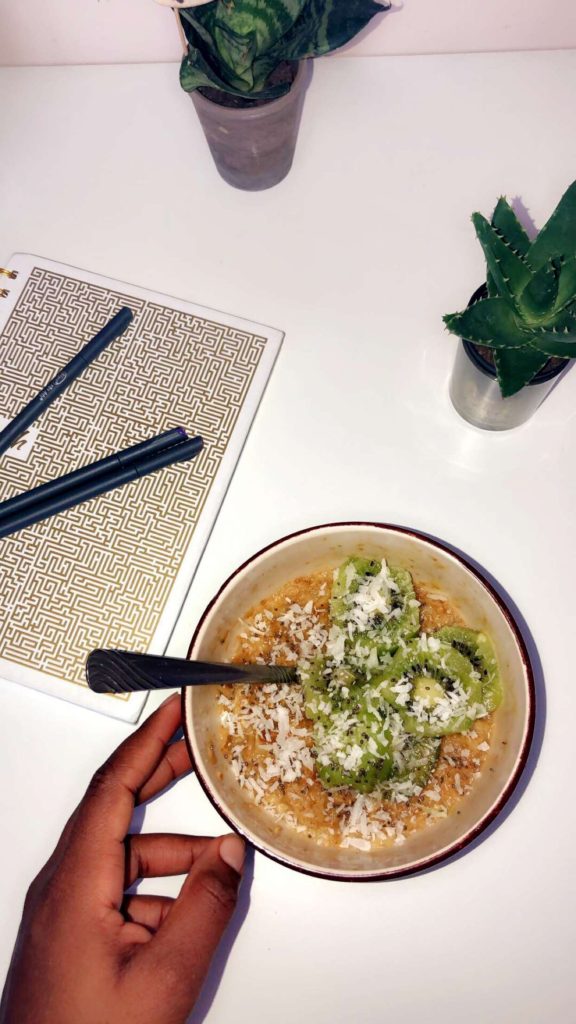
[{"x": 88, "y": 954}]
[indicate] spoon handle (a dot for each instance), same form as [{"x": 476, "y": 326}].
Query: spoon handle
[{"x": 112, "y": 671}]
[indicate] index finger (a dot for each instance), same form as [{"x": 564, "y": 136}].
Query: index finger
[
  {"x": 105, "y": 811},
  {"x": 175, "y": 763}
]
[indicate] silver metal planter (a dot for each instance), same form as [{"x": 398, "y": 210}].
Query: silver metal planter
[{"x": 475, "y": 392}]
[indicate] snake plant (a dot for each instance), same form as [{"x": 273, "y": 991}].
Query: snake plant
[
  {"x": 235, "y": 45},
  {"x": 529, "y": 313}
]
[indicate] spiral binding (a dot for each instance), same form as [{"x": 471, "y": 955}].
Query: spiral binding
[{"x": 12, "y": 274}]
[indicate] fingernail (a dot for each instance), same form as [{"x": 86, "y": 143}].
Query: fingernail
[
  {"x": 172, "y": 697},
  {"x": 233, "y": 851}
]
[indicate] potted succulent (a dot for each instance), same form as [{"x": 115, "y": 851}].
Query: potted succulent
[
  {"x": 519, "y": 329},
  {"x": 245, "y": 69}
]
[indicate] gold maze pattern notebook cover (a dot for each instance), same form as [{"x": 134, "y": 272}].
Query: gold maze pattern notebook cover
[{"x": 113, "y": 572}]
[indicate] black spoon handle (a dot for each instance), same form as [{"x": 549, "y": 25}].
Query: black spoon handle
[{"x": 111, "y": 671}]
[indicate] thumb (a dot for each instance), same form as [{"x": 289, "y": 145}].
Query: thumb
[{"x": 189, "y": 936}]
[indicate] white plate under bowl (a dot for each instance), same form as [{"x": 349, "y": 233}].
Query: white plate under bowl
[{"x": 325, "y": 547}]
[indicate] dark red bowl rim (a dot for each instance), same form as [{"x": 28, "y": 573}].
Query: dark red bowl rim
[{"x": 382, "y": 874}]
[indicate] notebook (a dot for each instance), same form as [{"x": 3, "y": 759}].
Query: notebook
[{"x": 114, "y": 571}]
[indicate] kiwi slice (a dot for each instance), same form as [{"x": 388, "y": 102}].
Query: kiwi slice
[
  {"x": 433, "y": 687},
  {"x": 417, "y": 759},
  {"x": 359, "y": 741},
  {"x": 477, "y": 647},
  {"x": 376, "y": 619},
  {"x": 314, "y": 684},
  {"x": 347, "y": 580},
  {"x": 355, "y": 750},
  {"x": 326, "y": 690},
  {"x": 352, "y": 739}
]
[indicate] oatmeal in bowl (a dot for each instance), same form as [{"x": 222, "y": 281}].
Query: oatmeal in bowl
[{"x": 410, "y": 717}]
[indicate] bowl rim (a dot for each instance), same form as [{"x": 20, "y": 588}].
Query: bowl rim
[{"x": 424, "y": 863}]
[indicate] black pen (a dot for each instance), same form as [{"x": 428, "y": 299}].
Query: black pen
[
  {"x": 116, "y": 476},
  {"x": 94, "y": 470},
  {"x": 116, "y": 326}
]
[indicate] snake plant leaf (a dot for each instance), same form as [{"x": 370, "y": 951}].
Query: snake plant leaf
[
  {"x": 234, "y": 45},
  {"x": 264, "y": 21},
  {"x": 202, "y": 66},
  {"x": 245, "y": 30},
  {"x": 559, "y": 340},
  {"x": 491, "y": 322},
  {"x": 508, "y": 269},
  {"x": 324, "y": 25},
  {"x": 238, "y": 52},
  {"x": 196, "y": 73},
  {"x": 506, "y": 223},
  {"x": 536, "y": 301},
  {"x": 198, "y": 27},
  {"x": 566, "y": 285},
  {"x": 558, "y": 236},
  {"x": 517, "y": 367}
]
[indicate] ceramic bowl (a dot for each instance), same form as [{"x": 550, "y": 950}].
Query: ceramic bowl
[{"x": 429, "y": 561}]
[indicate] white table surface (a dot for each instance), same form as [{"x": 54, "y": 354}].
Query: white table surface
[{"x": 356, "y": 256}]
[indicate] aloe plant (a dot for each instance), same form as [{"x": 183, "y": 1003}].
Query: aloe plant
[
  {"x": 234, "y": 45},
  {"x": 529, "y": 313}
]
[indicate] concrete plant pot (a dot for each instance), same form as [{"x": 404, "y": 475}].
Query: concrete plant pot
[{"x": 253, "y": 146}]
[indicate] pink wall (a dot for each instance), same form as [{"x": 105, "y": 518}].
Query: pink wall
[{"x": 112, "y": 31}]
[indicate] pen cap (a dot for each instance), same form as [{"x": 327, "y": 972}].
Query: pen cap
[
  {"x": 177, "y": 453},
  {"x": 169, "y": 439}
]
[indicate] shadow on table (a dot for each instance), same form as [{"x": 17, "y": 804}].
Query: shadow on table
[
  {"x": 220, "y": 960},
  {"x": 540, "y": 717}
]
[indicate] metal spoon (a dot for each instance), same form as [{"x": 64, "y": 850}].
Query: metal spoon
[{"x": 112, "y": 671}]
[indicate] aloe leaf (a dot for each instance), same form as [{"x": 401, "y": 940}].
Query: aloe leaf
[
  {"x": 566, "y": 285},
  {"x": 558, "y": 236},
  {"x": 538, "y": 298},
  {"x": 506, "y": 223},
  {"x": 508, "y": 269},
  {"x": 489, "y": 322},
  {"x": 516, "y": 368},
  {"x": 559, "y": 340},
  {"x": 491, "y": 285}
]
